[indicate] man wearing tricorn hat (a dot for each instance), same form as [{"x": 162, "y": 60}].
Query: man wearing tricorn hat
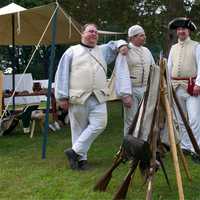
[
  {"x": 184, "y": 69},
  {"x": 132, "y": 72}
]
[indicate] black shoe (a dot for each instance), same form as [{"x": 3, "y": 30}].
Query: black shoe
[
  {"x": 83, "y": 165},
  {"x": 72, "y": 157}
]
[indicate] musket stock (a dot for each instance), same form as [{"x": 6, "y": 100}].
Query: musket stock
[
  {"x": 103, "y": 182},
  {"x": 123, "y": 189}
]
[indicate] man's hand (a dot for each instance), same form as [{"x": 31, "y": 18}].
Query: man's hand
[
  {"x": 64, "y": 104},
  {"x": 123, "y": 50},
  {"x": 196, "y": 90},
  {"x": 127, "y": 101}
]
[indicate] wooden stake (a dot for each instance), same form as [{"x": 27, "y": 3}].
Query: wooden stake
[
  {"x": 185, "y": 163},
  {"x": 167, "y": 106}
]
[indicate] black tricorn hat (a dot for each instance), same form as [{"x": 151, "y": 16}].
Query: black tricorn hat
[{"x": 182, "y": 22}]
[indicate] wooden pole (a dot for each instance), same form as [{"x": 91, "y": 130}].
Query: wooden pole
[
  {"x": 185, "y": 163},
  {"x": 167, "y": 107}
]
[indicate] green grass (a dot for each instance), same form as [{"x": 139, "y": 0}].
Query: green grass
[{"x": 24, "y": 175}]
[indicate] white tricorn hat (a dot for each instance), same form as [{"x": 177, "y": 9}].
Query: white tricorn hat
[{"x": 134, "y": 30}]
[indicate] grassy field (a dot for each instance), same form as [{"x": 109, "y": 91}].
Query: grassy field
[{"x": 24, "y": 175}]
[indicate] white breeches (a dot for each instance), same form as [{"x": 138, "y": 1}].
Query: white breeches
[
  {"x": 191, "y": 106},
  {"x": 129, "y": 113},
  {"x": 87, "y": 122}
]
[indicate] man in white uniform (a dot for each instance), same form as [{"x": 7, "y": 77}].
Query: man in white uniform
[
  {"x": 184, "y": 64},
  {"x": 132, "y": 73},
  {"x": 81, "y": 87}
]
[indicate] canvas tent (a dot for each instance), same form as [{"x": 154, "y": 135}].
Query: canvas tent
[{"x": 30, "y": 25}]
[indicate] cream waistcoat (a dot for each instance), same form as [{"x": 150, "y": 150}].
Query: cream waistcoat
[
  {"x": 184, "y": 61},
  {"x": 139, "y": 62},
  {"x": 87, "y": 76}
]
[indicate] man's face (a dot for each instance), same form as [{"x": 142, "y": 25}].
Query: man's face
[
  {"x": 182, "y": 33},
  {"x": 90, "y": 35},
  {"x": 139, "y": 39}
]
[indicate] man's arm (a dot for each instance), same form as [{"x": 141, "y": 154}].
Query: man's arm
[
  {"x": 196, "y": 90},
  {"x": 123, "y": 84},
  {"x": 62, "y": 79},
  {"x": 110, "y": 49}
]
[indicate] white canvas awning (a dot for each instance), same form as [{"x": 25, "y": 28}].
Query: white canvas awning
[{"x": 11, "y": 8}]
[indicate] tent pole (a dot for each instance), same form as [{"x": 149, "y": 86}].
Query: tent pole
[
  {"x": 13, "y": 60},
  {"x": 46, "y": 127}
]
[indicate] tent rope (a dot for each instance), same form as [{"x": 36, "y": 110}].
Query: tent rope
[
  {"x": 70, "y": 28},
  {"x": 67, "y": 17},
  {"x": 33, "y": 54},
  {"x": 18, "y": 23}
]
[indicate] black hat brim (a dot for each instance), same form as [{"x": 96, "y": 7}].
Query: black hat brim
[{"x": 182, "y": 22}]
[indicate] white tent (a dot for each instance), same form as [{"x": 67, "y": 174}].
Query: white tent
[{"x": 11, "y": 8}]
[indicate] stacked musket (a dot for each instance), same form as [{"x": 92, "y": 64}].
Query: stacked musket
[
  {"x": 140, "y": 146},
  {"x": 135, "y": 146}
]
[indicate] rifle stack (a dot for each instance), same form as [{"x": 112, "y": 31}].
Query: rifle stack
[{"x": 142, "y": 146}]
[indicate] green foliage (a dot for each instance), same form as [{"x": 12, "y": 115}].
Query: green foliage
[{"x": 24, "y": 175}]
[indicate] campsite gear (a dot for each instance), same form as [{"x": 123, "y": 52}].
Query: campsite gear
[
  {"x": 135, "y": 144},
  {"x": 8, "y": 124},
  {"x": 11, "y": 120},
  {"x": 25, "y": 117}
]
